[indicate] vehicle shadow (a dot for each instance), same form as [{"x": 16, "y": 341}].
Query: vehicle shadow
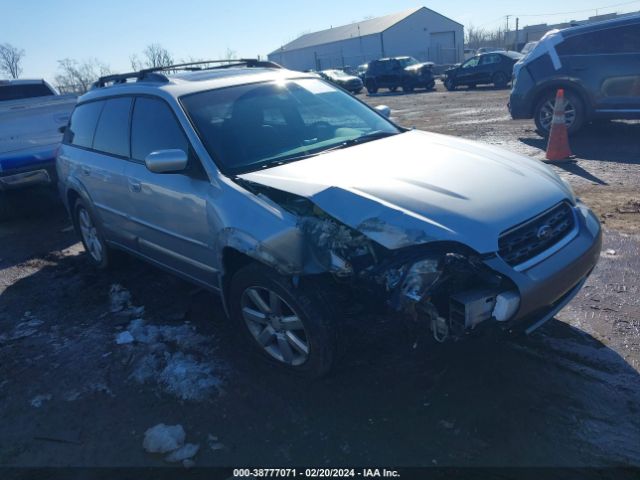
[
  {"x": 606, "y": 141},
  {"x": 399, "y": 93},
  {"x": 559, "y": 398},
  {"x": 33, "y": 223}
]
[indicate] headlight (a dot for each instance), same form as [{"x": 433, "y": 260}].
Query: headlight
[{"x": 420, "y": 277}]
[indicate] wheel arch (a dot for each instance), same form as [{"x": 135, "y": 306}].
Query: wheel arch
[{"x": 567, "y": 85}]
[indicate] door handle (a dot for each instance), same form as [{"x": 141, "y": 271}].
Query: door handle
[
  {"x": 135, "y": 186},
  {"x": 579, "y": 69},
  {"x": 86, "y": 171}
]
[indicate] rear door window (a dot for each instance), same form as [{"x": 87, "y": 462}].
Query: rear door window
[
  {"x": 112, "y": 133},
  {"x": 20, "y": 91},
  {"x": 154, "y": 127},
  {"x": 82, "y": 125}
]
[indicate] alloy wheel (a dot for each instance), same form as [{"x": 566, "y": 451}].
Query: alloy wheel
[
  {"x": 275, "y": 325},
  {"x": 545, "y": 115},
  {"x": 90, "y": 235}
]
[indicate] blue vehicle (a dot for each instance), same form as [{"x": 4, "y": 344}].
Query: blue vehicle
[{"x": 31, "y": 116}]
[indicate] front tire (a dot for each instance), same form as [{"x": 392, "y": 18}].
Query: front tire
[
  {"x": 372, "y": 86},
  {"x": 574, "y": 112},
  {"x": 292, "y": 327},
  {"x": 91, "y": 236},
  {"x": 449, "y": 84}
]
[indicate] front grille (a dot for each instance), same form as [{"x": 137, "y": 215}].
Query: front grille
[{"x": 534, "y": 236}]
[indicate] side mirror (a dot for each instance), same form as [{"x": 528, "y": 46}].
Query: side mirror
[
  {"x": 384, "y": 110},
  {"x": 166, "y": 161},
  {"x": 62, "y": 129}
]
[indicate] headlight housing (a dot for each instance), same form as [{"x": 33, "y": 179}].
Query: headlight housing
[{"x": 421, "y": 276}]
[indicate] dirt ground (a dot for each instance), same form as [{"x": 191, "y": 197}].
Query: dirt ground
[{"x": 569, "y": 395}]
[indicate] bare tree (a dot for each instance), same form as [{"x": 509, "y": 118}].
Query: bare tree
[
  {"x": 480, "y": 37},
  {"x": 11, "y": 60},
  {"x": 153, "y": 56},
  {"x": 77, "y": 76}
]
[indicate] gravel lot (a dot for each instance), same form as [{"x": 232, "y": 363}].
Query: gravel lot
[{"x": 569, "y": 395}]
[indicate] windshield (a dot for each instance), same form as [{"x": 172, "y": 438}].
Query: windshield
[
  {"x": 337, "y": 73},
  {"x": 406, "y": 61},
  {"x": 250, "y": 127}
]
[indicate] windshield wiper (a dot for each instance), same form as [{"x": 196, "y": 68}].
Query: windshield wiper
[{"x": 347, "y": 143}]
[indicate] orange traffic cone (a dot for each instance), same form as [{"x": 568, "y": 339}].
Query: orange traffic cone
[{"x": 558, "y": 149}]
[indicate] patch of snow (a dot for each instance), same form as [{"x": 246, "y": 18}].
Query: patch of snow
[
  {"x": 38, "y": 400},
  {"x": 124, "y": 337},
  {"x": 27, "y": 327},
  {"x": 163, "y": 438},
  {"x": 610, "y": 252},
  {"x": 188, "y": 379},
  {"x": 187, "y": 451}
]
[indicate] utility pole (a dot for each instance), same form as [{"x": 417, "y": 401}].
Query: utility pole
[
  {"x": 516, "y": 44},
  {"x": 505, "y": 33}
]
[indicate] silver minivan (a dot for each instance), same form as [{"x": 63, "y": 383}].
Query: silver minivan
[{"x": 296, "y": 201}]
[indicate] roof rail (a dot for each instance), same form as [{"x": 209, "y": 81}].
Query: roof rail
[{"x": 154, "y": 74}]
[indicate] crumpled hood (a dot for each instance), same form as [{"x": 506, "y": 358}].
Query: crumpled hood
[{"x": 417, "y": 187}]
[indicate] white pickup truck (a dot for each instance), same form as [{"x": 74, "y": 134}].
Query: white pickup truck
[{"x": 31, "y": 114}]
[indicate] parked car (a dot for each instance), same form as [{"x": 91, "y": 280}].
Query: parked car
[
  {"x": 342, "y": 79},
  {"x": 490, "y": 49},
  {"x": 398, "y": 72},
  {"x": 362, "y": 69},
  {"x": 31, "y": 114},
  {"x": 598, "y": 65},
  {"x": 296, "y": 202},
  {"x": 528, "y": 47},
  {"x": 468, "y": 53},
  {"x": 486, "y": 68}
]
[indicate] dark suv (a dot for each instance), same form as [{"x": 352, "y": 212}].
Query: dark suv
[
  {"x": 598, "y": 65},
  {"x": 398, "y": 72},
  {"x": 486, "y": 68}
]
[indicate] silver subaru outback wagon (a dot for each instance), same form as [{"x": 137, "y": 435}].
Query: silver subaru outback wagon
[{"x": 296, "y": 201}]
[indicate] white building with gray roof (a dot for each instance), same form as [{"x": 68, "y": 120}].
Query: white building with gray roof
[{"x": 419, "y": 32}]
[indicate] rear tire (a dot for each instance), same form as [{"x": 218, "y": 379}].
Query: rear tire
[
  {"x": 408, "y": 88},
  {"x": 574, "y": 111},
  {"x": 500, "y": 79},
  {"x": 292, "y": 327},
  {"x": 91, "y": 236}
]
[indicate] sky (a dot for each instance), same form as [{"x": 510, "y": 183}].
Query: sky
[{"x": 50, "y": 30}]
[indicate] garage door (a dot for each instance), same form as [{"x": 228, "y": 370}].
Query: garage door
[{"x": 443, "y": 47}]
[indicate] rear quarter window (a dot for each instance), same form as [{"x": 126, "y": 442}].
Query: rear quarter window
[
  {"x": 624, "y": 39},
  {"x": 82, "y": 125}
]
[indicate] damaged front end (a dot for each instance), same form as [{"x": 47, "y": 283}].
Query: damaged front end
[{"x": 444, "y": 287}]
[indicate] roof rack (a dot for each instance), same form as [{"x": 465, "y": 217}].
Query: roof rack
[{"x": 155, "y": 74}]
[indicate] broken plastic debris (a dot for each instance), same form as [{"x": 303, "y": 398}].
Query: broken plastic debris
[
  {"x": 120, "y": 298},
  {"x": 188, "y": 450},
  {"x": 124, "y": 337},
  {"x": 163, "y": 438},
  {"x": 38, "y": 400}
]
